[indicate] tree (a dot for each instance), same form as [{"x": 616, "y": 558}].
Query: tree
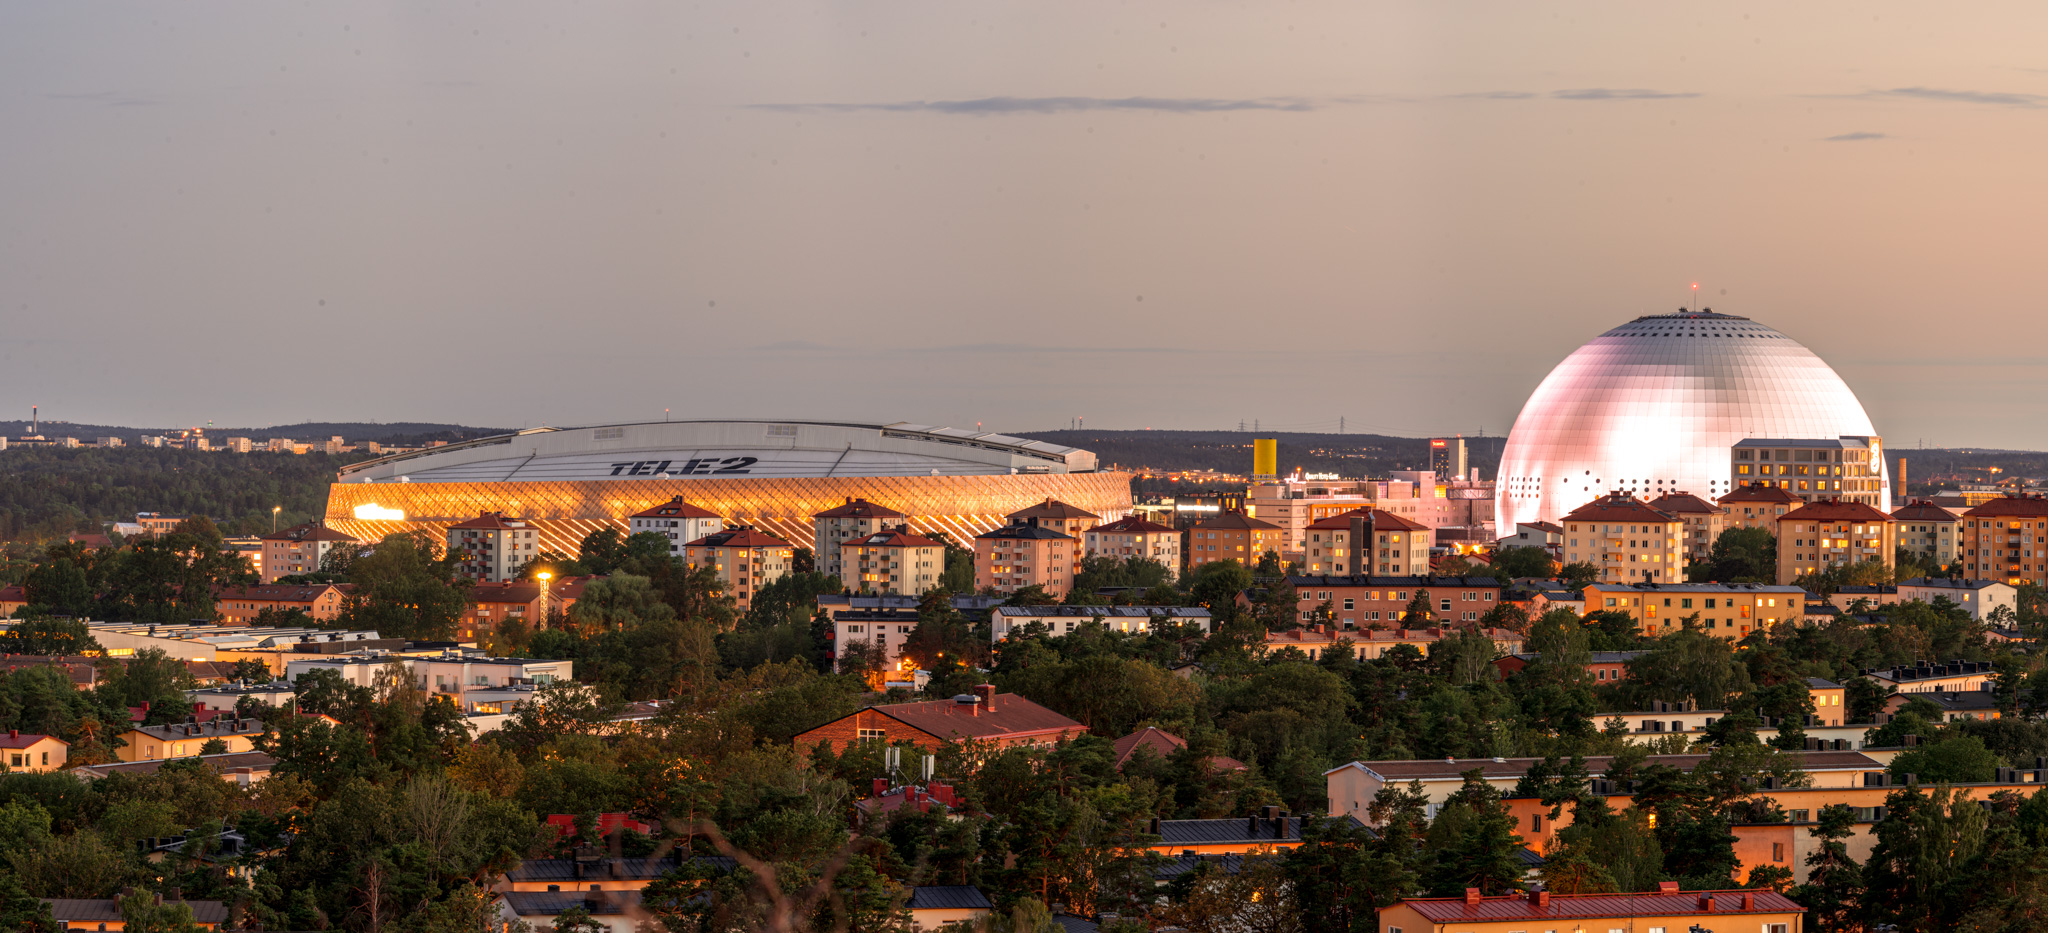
[
  {"x": 1954, "y": 760},
  {"x": 1516, "y": 563},
  {"x": 617, "y": 602},
  {"x": 1418, "y": 612},
  {"x": 48, "y": 637},
  {"x": 403, "y": 590},
  {"x": 1923, "y": 844},
  {"x": 1258, "y": 898},
  {"x": 1688, "y": 665},
  {"x": 1740, "y": 555},
  {"x": 1577, "y": 574},
  {"x": 147, "y": 912},
  {"x": 1475, "y": 842},
  {"x": 1834, "y": 882}
]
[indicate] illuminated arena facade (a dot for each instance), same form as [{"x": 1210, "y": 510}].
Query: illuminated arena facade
[
  {"x": 773, "y": 475},
  {"x": 1653, "y": 406}
]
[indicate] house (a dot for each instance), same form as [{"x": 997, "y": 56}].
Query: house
[
  {"x": 986, "y": 716},
  {"x": 81, "y": 671},
  {"x": 1923, "y": 677},
  {"x": 1602, "y": 667},
  {"x": 1311, "y": 640},
  {"x": 12, "y": 598},
  {"x": 934, "y": 906},
  {"x": 1164, "y": 743},
  {"x": 30, "y": 751},
  {"x": 1956, "y": 706},
  {"x": 243, "y": 768},
  {"x": 1062, "y": 620},
  {"x": 611, "y": 911},
  {"x": 592, "y": 871},
  {"x": 1263, "y": 830},
  {"x": 185, "y": 739},
  {"x": 1668, "y": 909},
  {"x": 104, "y": 913},
  {"x": 321, "y": 601},
  {"x": 1979, "y": 598}
]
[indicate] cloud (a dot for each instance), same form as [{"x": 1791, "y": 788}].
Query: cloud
[
  {"x": 1494, "y": 95},
  {"x": 1854, "y": 137},
  {"x": 1995, "y": 98},
  {"x": 1620, "y": 93},
  {"x": 991, "y": 106}
]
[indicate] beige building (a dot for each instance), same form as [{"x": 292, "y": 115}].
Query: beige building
[
  {"x": 1013, "y": 557},
  {"x": 298, "y": 549},
  {"x": 1232, "y": 536},
  {"x": 21, "y": 751},
  {"x": 1703, "y": 521},
  {"x": 744, "y": 559},
  {"x": 1757, "y": 506},
  {"x": 2006, "y": 539},
  {"x": 1135, "y": 537},
  {"x": 1846, "y": 469},
  {"x": 1626, "y": 540},
  {"x": 854, "y": 519},
  {"x": 1930, "y": 531},
  {"x": 1727, "y": 610},
  {"x": 1068, "y": 520},
  {"x": 1669, "y": 909},
  {"x": 1368, "y": 542},
  {"x": 1820, "y": 535},
  {"x": 676, "y": 520},
  {"x": 491, "y": 548},
  {"x": 186, "y": 739},
  {"x": 892, "y": 561}
]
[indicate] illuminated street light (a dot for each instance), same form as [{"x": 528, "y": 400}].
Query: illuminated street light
[
  {"x": 543, "y": 577},
  {"x": 275, "y": 510}
]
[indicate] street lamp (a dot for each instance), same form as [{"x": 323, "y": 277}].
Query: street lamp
[
  {"x": 543, "y": 577},
  {"x": 274, "y": 511}
]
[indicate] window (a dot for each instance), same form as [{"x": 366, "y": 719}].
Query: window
[
  {"x": 1777, "y": 851},
  {"x": 870, "y": 735}
]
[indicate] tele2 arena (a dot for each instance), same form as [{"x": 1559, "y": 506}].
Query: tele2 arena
[{"x": 773, "y": 475}]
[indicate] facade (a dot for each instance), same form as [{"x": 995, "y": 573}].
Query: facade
[
  {"x": 1456, "y": 504},
  {"x": 1368, "y": 541},
  {"x": 1546, "y": 535},
  {"x": 1064, "y": 620},
  {"x": 1066, "y": 519},
  {"x": 1979, "y": 598},
  {"x": 1702, "y": 521},
  {"x": 568, "y": 482},
  {"x": 1232, "y": 536},
  {"x": 492, "y": 547},
  {"x": 158, "y": 524},
  {"x": 1922, "y": 677},
  {"x": 321, "y": 601},
  {"x": 1846, "y": 468},
  {"x": 21, "y": 751},
  {"x": 2006, "y": 539},
  {"x": 492, "y": 603},
  {"x": 1757, "y": 506},
  {"x": 1375, "y": 602},
  {"x": 1930, "y": 531},
  {"x": 1626, "y": 540},
  {"x": 676, "y": 520},
  {"x": 854, "y": 518},
  {"x": 185, "y": 739},
  {"x": 893, "y": 561},
  {"x": 1821, "y": 535},
  {"x": 744, "y": 559},
  {"x": 1013, "y": 557},
  {"x": 106, "y": 914},
  {"x": 1133, "y": 536},
  {"x": 1729, "y": 610},
  {"x": 1004, "y": 720},
  {"x": 1655, "y": 404},
  {"x": 1670, "y": 909}
]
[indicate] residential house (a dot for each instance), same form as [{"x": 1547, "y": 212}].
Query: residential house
[
  {"x": 243, "y": 604},
  {"x": 676, "y": 520},
  {"x": 188, "y": 739},
  {"x": 985, "y": 716},
  {"x": 936, "y": 906},
  {"x": 104, "y": 913},
  {"x": 31, "y": 751}
]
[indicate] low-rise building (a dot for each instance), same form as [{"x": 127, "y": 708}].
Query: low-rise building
[
  {"x": 29, "y": 751},
  {"x": 104, "y": 913},
  {"x": 467, "y": 680},
  {"x": 242, "y": 604},
  {"x": 1602, "y": 667},
  {"x": 1233, "y": 535},
  {"x": 986, "y": 716},
  {"x": 678, "y": 521},
  {"x": 157, "y": 524},
  {"x": 240, "y": 768},
  {"x": 491, "y": 548},
  {"x": 188, "y": 739},
  {"x": 1670, "y": 909},
  {"x": 610, "y": 911},
  {"x": 1625, "y": 540},
  {"x": 1819, "y": 536},
  {"x": 933, "y": 907},
  {"x": 1134, "y": 536},
  {"x": 1367, "y": 541},
  {"x": 2006, "y": 539},
  {"x": 1930, "y": 531},
  {"x": 743, "y": 558},
  {"x": 1014, "y": 557},
  {"x": 854, "y": 518},
  {"x": 1370, "y": 602},
  {"x": 1979, "y": 598},
  {"x": 1063, "y": 620},
  {"x": 1956, "y": 706},
  {"x": 1701, "y": 521},
  {"x": 1351, "y": 786},
  {"x": 1755, "y": 505},
  {"x": 1546, "y": 535},
  {"x": 1925, "y": 677},
  {"x": 893, "y": 560},
  {"x": 1729, "y": 610},
  {"x": 493, "y": 603},
  {"x": 299, "y": 549}
]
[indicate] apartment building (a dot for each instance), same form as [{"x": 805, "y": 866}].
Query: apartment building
[
  {"x": 1756, "y": 506},
  {"x": 1703, "y": 521},
  {"x": 492, "y": 603},
  {"x": 1232, "y": 536},
  {"x": 1013, "y": 557},
  {"x": 491, "y": 548},
  {"x": 1133, "y": 536},
  {"x": 158, "y": 524},
  {"x": 744, "y": 558},
  {"x": 1625, "y": 540},
  {"x": 1729, "y": 610},
  {"x": 853, "y": 519},
  {"x": 892, "y": 560},
  {"x": 676, "y": 520},
  {"x": 1821, "y": 535},
  {"x": 1378, "y": 602},
  {"x": 1069, "y": 520},
  {"x": 298, "y": 549},
  {"x": 1930, "y": 531},
  {"x": 1368, "y": 541},
  {"x": 1846, "y": 469},
  {"x": 242, "y": 604},
  {"x": 1064, "y": 620},
  {"x": 2006, "y": 539}
]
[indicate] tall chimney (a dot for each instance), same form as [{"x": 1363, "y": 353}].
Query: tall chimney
[
  {"x": 987, "y": 693},
  {"x": 1905, "y": 492}
]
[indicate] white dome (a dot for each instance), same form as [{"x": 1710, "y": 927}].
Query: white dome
[{"x": 1652, "y": 406}]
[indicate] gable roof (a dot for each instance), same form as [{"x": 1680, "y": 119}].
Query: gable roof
[
  {"x": 307, "y": 531},
  {"x": 223, "y": 726},
  {"x": 1025, "y": 532},
  {"x": 1236, "y": 519},
  {"x": 1921, "y": 510},
  {"x": 279, "y": 592},
  {"x": 108, "y": 910},
  {"x": 2015, "y": 506},
  {"x": 743, "y": 536},
  {"x": 1010, "y": 715},
  {"x": 1618, "y": 507},
  {"x": 675, "y": 508},
  {"x": 860, "y": 508},
  {"x": 1452, "y": 910},
  {"x": 550, "y": 903},
  {"x": 1760, "y": 493},
  {"x": 1835, "y": 510},
  {"x": 1050, "y": 508},
  {"x": 1376, "y": 519},
  {"x": 1502, "y": 768},
  {"x": 948, "y": 897},
  {"x": 1131, "y": 525},
  {"x": 1683, "y": 503},
  {"x": 488, "y": 521},
  {"x": 18, "y": 739},
  {"x": 899, "y": 536}
]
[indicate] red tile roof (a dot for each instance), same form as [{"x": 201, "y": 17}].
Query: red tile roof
[
  {"x": 1164, "y": 743},
  {"x": 1237, "y": 520},
  {"x": 900, "y": 536},
  {"x": 490, "y": 521},
  {"x": 89, "y": 539},
  {"x": 1921, "y": 510},
  {"x": 19, "y": 739},
  {"x": 1759, "y": 493},
  {"x": 309, "y": 531},
  {"x": 860, "y": 508},
  {"x": 1618, "y": 507},
  {"x": 1681, "y": 503},
  {"x": 743, "y": 536},
  {"x": 2015, "y": 506},
  {"x": 1377, "y": 519},
  {"x": 1009, "y": 716},
  {"x": 1588, "y": 906},
  {"x": 676, "y": 508},
  {"x": 279, "y": 592},
  {"x": 1132, "y": 525},
  {"x": 1050, "y": 508},
  {"x": 1834, "y": 510}
]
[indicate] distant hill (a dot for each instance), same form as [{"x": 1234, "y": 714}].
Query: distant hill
[
  {"x": 401, "y": 433},
  {"x": 1347, "y": 455}
]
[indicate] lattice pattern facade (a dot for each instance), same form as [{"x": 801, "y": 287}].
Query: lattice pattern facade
[{"x": 564, "y": 512}]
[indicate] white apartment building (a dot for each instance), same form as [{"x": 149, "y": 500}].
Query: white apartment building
[
  {"x": 492, "y": 547},
  {"x": 678, "y": 521}
]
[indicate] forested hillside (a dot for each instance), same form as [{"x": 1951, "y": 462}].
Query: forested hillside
[{"x": 48, "y": 492}]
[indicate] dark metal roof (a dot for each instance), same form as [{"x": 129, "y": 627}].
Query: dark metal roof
[
  {"x": 550, "y": 903},
  {"x": 108, "y": 910},
  {"x": 948, "y": 897},
  {"x": 632, "y": 869}
]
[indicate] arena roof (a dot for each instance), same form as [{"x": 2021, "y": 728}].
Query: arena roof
[{"x": 724, "y": 449}]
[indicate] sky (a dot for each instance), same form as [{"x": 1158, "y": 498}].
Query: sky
[{"x": 1168, "y": 215}]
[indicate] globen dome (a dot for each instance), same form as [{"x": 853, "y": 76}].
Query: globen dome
[{"x": 1653, "y": 406}]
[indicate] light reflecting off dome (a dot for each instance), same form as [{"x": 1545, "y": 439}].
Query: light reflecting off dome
[{"x": 1652, "y": 406}]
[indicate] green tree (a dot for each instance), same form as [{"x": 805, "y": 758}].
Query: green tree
[
  {"x": 1954, "y": 760},
  {"x": 48, "y": 637},
  {"x": 404, "y": 590},
  {"x": 1834, "y": 882},
  {"x": 1515, "y": 563},
  {"x": 1475, "y": 842}
]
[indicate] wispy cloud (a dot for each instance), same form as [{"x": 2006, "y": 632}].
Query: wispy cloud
[
  {"x": 993, "y": 106},
  {"x": 1494, "y": 95},
  {"x": 1854, "y": 137},
  {"x": 1994, "y": 98},
  {"x": 1618, "y": 93}
]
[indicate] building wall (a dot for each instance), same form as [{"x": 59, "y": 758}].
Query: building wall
[
  {"x": 1628, "y": 552},
  {"x": 678, "y": 531},
  {"x": 1162, "y": 546},
  {"x": 142, "y": 747},
  {"x": 1367, "y": 606},
  {"x": 2012, "y": 549},
  {"x": 1734, "y": 613},
  {"x": 47, "y": 754},
  {"x": 1011, "y": 564},
  {"x": 742, "y": 570},
  {"x": 1806, "y": 546},
  {"x": 906, "y": 571},
  {"x": 1942, "y": 541},
  {"x": 866, "y": 725}
]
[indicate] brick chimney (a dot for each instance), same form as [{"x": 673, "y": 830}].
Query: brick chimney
[
  {"x": 987, "y": 693},
  {"x": 1706, "y": 905},
  {"x": 1471, "y": 897},
  {"x": 1667, "y": 887}
]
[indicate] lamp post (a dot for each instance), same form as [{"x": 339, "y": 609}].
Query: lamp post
[
  {"x": 275, "y": 510},
  {"x": 543, "y": 577}
]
